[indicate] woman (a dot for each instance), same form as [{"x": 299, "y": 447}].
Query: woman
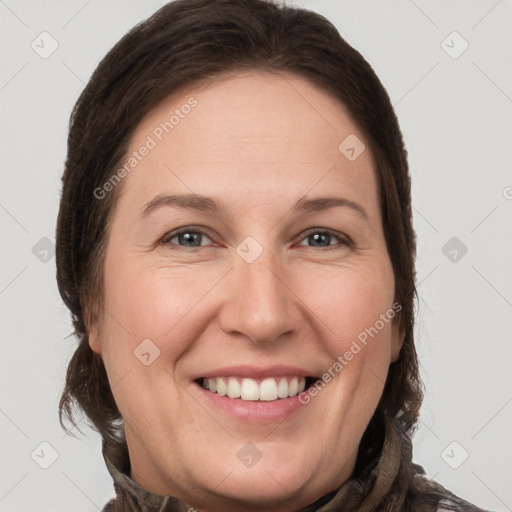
[{"x": 235, "y": 245}]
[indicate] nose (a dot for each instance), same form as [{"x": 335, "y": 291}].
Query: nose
[{"x": 259, "y": 302}]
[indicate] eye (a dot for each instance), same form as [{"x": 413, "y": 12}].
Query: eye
[
  {"x": 188, "y": 238},
  {"x": 323, "y": 238},
  {"x": 191, "y": 238}
]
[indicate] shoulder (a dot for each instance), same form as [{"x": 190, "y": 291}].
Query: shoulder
[
  {"x": 426, "y": 494},
  {"x": 109, "y": 507},
  {"x": 118, "y": 504},
  {"x": 457, "y": 504}
]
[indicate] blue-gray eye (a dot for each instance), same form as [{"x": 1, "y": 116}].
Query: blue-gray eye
[
  {"x": 186, "y": 238},
  {"x": 319, "y": 237}
]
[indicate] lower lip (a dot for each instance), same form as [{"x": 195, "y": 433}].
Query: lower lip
[{"x": 252, "y": 411}]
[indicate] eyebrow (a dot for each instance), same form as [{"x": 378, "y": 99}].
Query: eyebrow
[{"x": 204, "y": 203}]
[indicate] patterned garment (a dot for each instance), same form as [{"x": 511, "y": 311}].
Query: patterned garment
[{"x": 391, "y": 482}]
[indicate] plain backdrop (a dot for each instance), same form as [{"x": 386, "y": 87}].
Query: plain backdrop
[{"x": 454, "y": 105}]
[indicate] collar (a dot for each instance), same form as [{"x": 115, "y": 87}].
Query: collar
[{"x": 381, "y": 484}]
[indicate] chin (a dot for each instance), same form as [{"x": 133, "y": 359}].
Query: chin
[
  {"x": 275, "y": 476},
  {"x": 261, "y": 491}
]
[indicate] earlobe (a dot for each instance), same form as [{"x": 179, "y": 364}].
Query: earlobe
[
  {"x": 397, "y": 341},
  {"x": 92, "y": 322},
  {"x": 94, "y": 340}
]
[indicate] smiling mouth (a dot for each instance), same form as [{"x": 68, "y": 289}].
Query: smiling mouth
[{"x": 264, "y": 390}]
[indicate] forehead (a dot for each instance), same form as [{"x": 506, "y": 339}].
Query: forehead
[{"x": 253, "y": 134}]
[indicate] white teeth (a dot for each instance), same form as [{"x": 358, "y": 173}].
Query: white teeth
[
  {"x": 221, "y": 387},
  {"x": 282, "y": 388},
  {"x": 268, "y": 390},
  {"x": 249, "y": 390},
  {"x": 233, "y": 388},
  {"x": 293, "y": 387}
]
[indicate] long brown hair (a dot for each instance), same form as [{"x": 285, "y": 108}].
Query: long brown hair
[{"x": 183, "y": 43}]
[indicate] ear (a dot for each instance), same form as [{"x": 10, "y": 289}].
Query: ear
[
  {"x": 94, "y": 339},
  {"x": 92, "y": 322},
  {"x": 397, "y": 340}
]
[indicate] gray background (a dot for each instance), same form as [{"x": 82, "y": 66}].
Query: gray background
[{"x": 456, "y": 115}]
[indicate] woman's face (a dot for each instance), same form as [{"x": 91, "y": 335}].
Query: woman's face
[{"x": 272, "y": 286}]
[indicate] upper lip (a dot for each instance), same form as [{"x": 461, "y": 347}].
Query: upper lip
[{"x": 254, "y": 372}]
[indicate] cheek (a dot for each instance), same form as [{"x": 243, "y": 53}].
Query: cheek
[
  {"x": 155, "y": 303},
  {"x": 142, "y": 336},
  {"x": 350, "y": 302}
]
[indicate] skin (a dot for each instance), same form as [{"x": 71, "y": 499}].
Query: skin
[{"x": 257, "y": 142}]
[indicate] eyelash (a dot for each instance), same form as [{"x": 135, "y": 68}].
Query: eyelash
[{"x": 344, "y": 240}]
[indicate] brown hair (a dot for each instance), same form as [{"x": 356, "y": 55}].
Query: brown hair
[{"x": 182, "y": 44}]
